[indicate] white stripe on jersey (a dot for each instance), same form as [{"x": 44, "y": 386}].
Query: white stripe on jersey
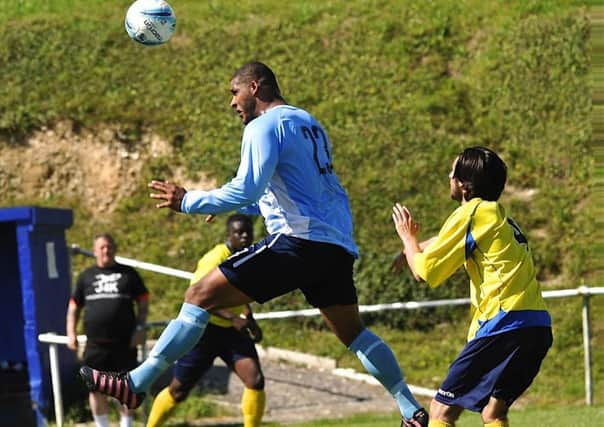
[{"x": 253, "y": 254}]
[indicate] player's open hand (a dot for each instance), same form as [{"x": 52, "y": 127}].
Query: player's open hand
[
  {"x": 171, "y": 194},
  {"x": 405, "y": 226},
  {"x": 247, "y": 325},
  {"x": 138, "y": 337},
  {"x": 254, "y": 331}
]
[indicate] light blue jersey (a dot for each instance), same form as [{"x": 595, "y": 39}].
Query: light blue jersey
[{"x": 286, "y": 172}]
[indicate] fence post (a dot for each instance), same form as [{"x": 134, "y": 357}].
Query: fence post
[
  {"x": 586, "y": 345},
  {"x": 55, "y": 376}
]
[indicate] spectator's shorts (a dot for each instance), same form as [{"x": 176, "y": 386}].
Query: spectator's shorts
[
  {"x": 280, "y": 264},
  {"x": 110, "y": 357},
  {"x": 502, "y": 366},
  {"x": 227, "y": 343}
]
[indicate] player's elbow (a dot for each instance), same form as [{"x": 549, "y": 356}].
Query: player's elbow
[
  {"x": 252, "y": 194},
  {"x": 242, "y": 194}
]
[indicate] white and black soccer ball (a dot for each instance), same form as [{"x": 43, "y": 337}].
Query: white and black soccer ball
[{"x": 150, "y": 22}]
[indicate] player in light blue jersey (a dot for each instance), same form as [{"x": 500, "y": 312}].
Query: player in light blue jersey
[
  {"x": 287, "y": 175},
  {"x": 286, "y": 172}
]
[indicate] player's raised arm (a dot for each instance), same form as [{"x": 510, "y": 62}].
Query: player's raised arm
[
  {"x": 259, "y": 158},
  {"x": 407, "y": 230}
]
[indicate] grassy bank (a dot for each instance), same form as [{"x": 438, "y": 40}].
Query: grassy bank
[{"x": 401, "y": 87}]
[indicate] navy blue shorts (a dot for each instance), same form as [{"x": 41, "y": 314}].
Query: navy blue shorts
[
  {"x": 280, "y": 264},
  {"x": 227, "y": 343},
  {"x": 502, "y": 366}
]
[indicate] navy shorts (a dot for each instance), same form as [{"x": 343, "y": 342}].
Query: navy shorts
[
  {"x": 280, "y": 264},
  {"x": 110, "y": 357},
  {"x": 227, "y": 343},
  {"x": 502, "y": 366}
]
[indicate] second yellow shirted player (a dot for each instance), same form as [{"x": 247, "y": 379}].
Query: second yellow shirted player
[
  {"x": 230, "y": 335},
  {"x": 504, "y": 292},
  {"x": 510, "y": 333}
]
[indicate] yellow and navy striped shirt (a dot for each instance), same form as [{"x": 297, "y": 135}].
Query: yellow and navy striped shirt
[
  {"x": 504, "y": 291},
  {"x": 212, "y": 259}
]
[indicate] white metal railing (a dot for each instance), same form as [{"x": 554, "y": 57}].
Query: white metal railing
[
  {"x": 54, "y": 340},
  {"x": 55, "y": 377},
  {"x": 75, "y": 249}
]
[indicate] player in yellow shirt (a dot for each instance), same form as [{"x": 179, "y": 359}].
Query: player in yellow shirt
[
  {"x": 510, "y": 332},
  {"x": 230, "y": 335}
]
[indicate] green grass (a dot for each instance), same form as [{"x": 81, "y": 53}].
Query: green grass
[
  {"x": 597, "y": 75},
  {"x": 570, "y": 416},
  {"x": 576, "y": 416},
  {"x": 401, "y": 86},
  {"x": 526, "y": 417}
]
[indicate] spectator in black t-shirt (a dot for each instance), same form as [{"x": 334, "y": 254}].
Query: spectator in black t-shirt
[{"x": 108, "y": 291}]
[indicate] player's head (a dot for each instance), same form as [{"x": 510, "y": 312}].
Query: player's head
[
  {"x": 477, "y": 172},
  {"x": 104, "y": 249},
  {"x": 240, "y": 231},
  {"x": 251, "y": 85}
]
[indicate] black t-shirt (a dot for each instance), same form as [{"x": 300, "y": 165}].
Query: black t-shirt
[{"x": 109, "y": 295}]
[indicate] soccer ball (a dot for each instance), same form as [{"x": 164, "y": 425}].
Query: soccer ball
[{"x": 150, "y": 22}]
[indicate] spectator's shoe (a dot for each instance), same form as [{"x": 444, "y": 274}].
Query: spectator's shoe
[
  {"x": 419, "y": 419},
  {"x": 112, "y": 384}
]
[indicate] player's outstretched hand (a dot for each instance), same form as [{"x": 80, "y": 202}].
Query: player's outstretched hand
[
  {"x": 254, "y": 330},
  {"x": 138, "y": 337},
  {"x": 405, "y": 226},
  {"x": 247, "y": 325},
  {"x": 171, "y": 194}
]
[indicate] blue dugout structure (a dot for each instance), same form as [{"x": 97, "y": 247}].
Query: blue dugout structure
[{"x": 35, "y": 285}]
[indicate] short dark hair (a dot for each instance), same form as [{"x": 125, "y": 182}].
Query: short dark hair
[
  {"x": 257, "y": 71},
  {"x": 482, "y": 173},
  {"x": 105, "y": 236},
  {"x": 245, "y": 219}
]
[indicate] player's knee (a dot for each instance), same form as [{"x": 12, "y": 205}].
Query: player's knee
[
  {"x": 258, "y": 383},
  {"x": 199, "y": 295},
  {"x": 440, "y": 411},
  {"x": 178, "y": 391},
  {"x": 347, "y": 331},
  {"x": 495, "y": 410},
  {"x": 254, "y": 381}
]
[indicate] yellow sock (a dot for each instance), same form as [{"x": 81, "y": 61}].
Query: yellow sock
[
  {"x": 498, "y": 423},
  {"x": 439, "y": 423},
  {"x": 252, "y": 406},
  {"x": 163, "y": 405}
]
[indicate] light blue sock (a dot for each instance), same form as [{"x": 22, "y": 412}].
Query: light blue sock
[
  {"x": 178, "y": 338},
  {"x": 380, "y": 362}
]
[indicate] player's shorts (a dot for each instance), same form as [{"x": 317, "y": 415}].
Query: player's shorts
[
  {"x": 227, "y": 343},
  {"x": 279, "y": 264},
  {"x": 110, "y": 357},
  {"x": 502, "y": 366}
]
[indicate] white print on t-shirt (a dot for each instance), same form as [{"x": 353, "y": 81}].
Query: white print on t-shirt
[{"x": 106, "y": 283}]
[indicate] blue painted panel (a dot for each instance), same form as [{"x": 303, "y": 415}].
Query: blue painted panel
[{"x": 35, "y": 284}]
